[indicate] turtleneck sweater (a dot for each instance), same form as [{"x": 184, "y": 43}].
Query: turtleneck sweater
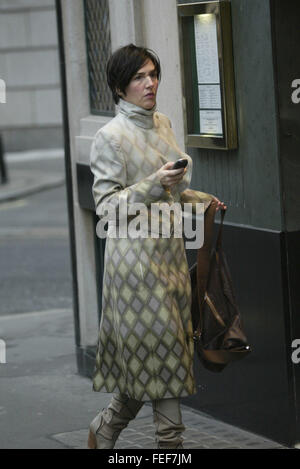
[{"x": 138, "y": 115}]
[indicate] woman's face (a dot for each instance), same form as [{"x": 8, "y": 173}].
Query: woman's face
[{"x": 142, "y": 88}]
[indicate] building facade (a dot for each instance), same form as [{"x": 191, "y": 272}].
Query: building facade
[
  {"x": 258, "y": 180},
  {"x": 29, "y": 66}
]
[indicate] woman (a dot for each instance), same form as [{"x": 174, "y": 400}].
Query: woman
[{"x": 145, "y": 347}]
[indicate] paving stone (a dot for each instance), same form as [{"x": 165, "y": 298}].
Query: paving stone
[{"x": 202, "y": 432}]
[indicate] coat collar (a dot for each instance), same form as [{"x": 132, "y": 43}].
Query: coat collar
[{"x": 138, "y": 115}]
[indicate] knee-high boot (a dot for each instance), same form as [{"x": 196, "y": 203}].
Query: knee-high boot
[
  {"x": 108, "y": 424},
  {"x": 168, "y": 421}
]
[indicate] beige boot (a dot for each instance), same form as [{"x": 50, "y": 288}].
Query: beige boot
[
  {"x": 108, "y": 424},
  {"x": 168, "y": 421}
]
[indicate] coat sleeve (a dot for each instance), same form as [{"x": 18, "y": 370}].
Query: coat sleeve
[{"x": 108, "y": 166}]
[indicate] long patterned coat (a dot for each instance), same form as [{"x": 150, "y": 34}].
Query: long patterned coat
[{"x": 145, "y": 347}]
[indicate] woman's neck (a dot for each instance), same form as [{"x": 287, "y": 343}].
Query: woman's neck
[{"x": 138, "y": 115}]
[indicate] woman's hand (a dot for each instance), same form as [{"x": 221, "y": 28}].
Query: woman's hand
[
  {"x": 220, "y": 205},
  {"x": 170, "y": 177}
]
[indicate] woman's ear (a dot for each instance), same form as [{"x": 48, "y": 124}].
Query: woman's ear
[{"x": 119, "y": 93}]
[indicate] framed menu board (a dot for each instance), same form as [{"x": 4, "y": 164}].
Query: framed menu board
[{"x": 208, "y": 75}]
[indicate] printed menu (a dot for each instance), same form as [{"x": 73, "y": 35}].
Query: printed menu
[{"x": 209, "y": 87}]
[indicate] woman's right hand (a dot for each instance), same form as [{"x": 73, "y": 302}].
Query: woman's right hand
[{"x": 170, "y": 177}]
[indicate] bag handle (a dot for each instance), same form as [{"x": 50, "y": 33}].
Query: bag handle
[
  {"x": 219, "y": 238},
  {"x": 204, "y": 257}
]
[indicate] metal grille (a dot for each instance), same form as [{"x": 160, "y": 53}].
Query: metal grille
[{"x": 98, "y": 52}]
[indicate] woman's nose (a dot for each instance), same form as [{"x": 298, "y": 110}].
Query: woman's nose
[{"x": 149, "y": 81}]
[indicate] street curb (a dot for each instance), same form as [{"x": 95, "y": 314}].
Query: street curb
[{"x": 13, "y": 195}]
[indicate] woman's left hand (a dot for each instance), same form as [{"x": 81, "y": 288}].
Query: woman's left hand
[{"x": 220, "y": 205}]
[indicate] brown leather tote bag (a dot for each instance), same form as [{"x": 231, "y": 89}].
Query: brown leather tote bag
[{"x": 219, "y": 338}]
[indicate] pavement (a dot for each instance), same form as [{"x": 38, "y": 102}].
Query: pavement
[
  {"x": 23, "y": 181},
  {"x": 45, "y": 403}
]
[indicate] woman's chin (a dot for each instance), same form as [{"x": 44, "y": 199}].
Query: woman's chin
[{"x": 150, "y": 104}]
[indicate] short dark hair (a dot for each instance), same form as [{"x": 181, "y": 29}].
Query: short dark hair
[{"x": 123, "y": 65}]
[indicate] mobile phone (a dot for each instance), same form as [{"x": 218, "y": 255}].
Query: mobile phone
[{"x": 182, "y": 163}]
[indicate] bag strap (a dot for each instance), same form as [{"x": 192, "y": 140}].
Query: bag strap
[
  {"x": 204, "y": 253},
  {"x": 204, "y": 256},
  {"x": 219, "y": 238}
]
